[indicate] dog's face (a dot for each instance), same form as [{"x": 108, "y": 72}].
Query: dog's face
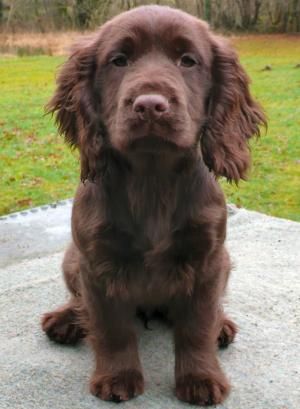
[
  {"x": 156, "y": 79},
  {"x": 154, "y": 76}
]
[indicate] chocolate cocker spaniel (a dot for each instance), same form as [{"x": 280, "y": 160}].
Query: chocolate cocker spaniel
[{"x": 158, "y": 107}]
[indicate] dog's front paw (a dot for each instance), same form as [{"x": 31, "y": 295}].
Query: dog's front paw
[
  {"x": 120, "y": 387},
  {"x": 202, "y": 390}
]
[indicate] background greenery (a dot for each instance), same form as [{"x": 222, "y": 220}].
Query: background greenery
[
  {"x": 48, "y": 15},
  {"x": 36, "y": 167}
]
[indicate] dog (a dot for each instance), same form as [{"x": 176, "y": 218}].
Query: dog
[{"x": 159, "y": 108}]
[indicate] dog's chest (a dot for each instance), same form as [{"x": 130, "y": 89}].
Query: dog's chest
[
  {"x": 157, "y": 228},
  {"x": 151, "y": 205}
]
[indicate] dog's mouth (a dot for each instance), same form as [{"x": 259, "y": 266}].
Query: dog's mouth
[
  {"x": 156, "y": 136},
  {"x": 152, "y": 144},
  {"x": 165, "y": 135}
]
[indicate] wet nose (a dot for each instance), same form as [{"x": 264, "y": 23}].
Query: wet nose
[{"x": 150, "y": 106}]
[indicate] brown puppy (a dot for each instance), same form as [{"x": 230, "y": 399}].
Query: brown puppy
[{"x": 158, "y": 106}]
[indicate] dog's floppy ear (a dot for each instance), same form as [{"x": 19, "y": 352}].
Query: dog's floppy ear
[
  {"x": 75, "y": 106},
  {"x": 233, "y": 116}
]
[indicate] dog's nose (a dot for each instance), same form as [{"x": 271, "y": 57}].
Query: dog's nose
[{"x": 150, "y": 106}]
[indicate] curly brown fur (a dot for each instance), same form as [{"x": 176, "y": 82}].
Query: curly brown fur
[{"x": 158, "y": 107}]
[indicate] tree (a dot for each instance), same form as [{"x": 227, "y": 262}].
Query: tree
[
  {"x": 1, "y": 11},
  {"x": 249, "y": 15},
  {"x": 249, "y": 11}
]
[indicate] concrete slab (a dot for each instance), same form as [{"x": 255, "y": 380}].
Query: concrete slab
[
  {"x": 263, "y": 364},
  {"x": 34, "y": 232}
]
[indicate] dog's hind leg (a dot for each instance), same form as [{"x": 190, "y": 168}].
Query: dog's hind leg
[
  {"x": 227, "y": 333},
  {"x": 65, "y": 324}
]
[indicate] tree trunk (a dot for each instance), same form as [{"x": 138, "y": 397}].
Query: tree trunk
[
  {"x": 207, "y": 10},
  {"x": 82, "y": 14},
  {"x": 256, "y": 12},
  {"x": 1, "y": 11},
  {"x": 199, "y": 8}
]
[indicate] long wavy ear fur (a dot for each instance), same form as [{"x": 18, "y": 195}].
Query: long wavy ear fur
[
  {"x": 233, "y": 116},
  {"x": 75, "y": 106}
]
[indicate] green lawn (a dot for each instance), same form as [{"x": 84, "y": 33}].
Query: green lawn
[{"x": 37, "y": 168}]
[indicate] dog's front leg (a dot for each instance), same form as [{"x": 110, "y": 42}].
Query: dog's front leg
[
  {"x": 118, "y": 374},
  {"x": 199, "y": 378}
]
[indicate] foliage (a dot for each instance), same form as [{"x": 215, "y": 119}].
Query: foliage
[
  {"x": 37, "y": 168},
  {"x": 49, "y": 15}
]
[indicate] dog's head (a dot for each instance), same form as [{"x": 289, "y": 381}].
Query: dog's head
[{"x": 155, "y": 79}]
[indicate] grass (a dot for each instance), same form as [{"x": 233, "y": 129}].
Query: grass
[
  {"x": 274, "y": 182},
  {"x": 37, "y": 168}
]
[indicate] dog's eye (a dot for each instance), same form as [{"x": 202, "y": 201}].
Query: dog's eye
[
  {"x": 120, "y": 60},
  {"x": 187, "y": 60}
]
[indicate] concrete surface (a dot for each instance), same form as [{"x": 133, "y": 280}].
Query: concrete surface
[{"x": 263, "y": 364}]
